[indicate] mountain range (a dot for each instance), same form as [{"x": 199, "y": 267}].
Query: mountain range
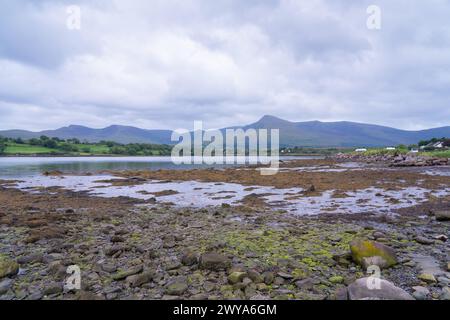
[{"x": 303, "y": 134}]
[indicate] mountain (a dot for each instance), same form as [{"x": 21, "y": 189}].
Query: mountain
[
  {"x": 121, "y": 134},
  {"x": 306, "y": 134}
]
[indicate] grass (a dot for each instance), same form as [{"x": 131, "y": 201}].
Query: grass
[
  {"x": 438, "y": 154},
  {"x": 14, "y": 148}
]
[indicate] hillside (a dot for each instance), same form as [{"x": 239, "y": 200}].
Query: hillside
[{"x": 306, "y": 134}]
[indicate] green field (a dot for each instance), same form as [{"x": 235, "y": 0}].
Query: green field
[
  {"x": 379, "y": 151},
  {"x": 27, "y": 149},
  {"x": 14, "y": 148}
]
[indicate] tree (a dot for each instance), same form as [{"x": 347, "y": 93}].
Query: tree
[{"x": 2, "y": 148}]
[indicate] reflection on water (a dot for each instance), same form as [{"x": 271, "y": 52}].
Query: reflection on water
[{"x": 28, "y": 166}]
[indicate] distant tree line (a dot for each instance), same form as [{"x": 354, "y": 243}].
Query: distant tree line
[{"x": 70, "y": 146}]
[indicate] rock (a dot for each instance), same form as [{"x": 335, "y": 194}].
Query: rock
[
  {"x": 116, "y": 239},
  {"x": 361, "y": 249},
  {"x": 115, "y": 249},
  {"x": 177, "y": 286},
  {"x": 8, "y": 267},
  {"x": 32, "y": 258},
  {"x": 420, "y": 293},
  {"x": 138, "y": 280},
  {"x": 341, "y": 294},
  {"x": 214, "y": 261},
  {"x": 268, "y": 277},
  {"x": 443, "y": 215},
  {"x": 189, "y": 258},
  {"x": 88, "y": 296},
  {"x": 110, "y": 268},
  {"x": 236, "y": 277},
  {"x": 336, "y": 279},
  {"x": 255, "y": 276},
  {"x": 424, "y": 241},
  {"x": 427, "y": 277},
  {"x": 441, "y": 237},
  {"x": 285, "y": 275},
  {"x": 5, "y": 285},
  {"x": 53, "y": 288},
  {"x": 445, "y": 294},
  {"x": 361, "y": 290},
  {"x": 305, "y": 284},
  {"x": 126, "y": 273}
]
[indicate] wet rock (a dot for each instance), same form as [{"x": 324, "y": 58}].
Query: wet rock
[
  {"x": 362, "y": 289},
  {"x": 189, "y": 258},
  {"x": 177, "y": 286},
  {"x": 427, "y": 277},
  {"x": 420, "y": 293},
  {"x": 214, "y": 261},
  {"x": 442, "y": 215},
  {"x": 361, "y": 249},
  {"x": 8, "y": 267}
]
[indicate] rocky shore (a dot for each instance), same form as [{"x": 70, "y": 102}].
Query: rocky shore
[
  {"x": 128, "y": 252},
  {"x": 401, "y": 160},
  {"x": 130, "y": 249}
]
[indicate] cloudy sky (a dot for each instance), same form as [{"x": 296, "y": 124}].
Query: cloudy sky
[{"x": 166, "y": 63}]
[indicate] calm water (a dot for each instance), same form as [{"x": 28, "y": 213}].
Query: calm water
[{"x": 11, "y": 167}]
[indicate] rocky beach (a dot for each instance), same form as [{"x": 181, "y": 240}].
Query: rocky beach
[{"x": 314, "y": 231}]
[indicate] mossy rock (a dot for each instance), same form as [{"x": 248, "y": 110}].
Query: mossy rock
[
  {"x": 362, "y": 249},
  {"x": 8, "y": 267}
]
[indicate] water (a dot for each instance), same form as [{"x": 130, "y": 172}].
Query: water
[{"x": 17, "y": 167}]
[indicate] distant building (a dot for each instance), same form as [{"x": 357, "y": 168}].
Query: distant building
[
  {"x": 361, "y": 150},
  {"x": 390, "y": 148}
]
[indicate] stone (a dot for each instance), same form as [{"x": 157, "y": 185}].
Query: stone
[
  {"x": 361, "y": 249},
  {"x": 53, "y": 288},
  {"x": 424, "y": 241},
  {"x": 361, "y": 290},
  {"x": 420, "y": 293},
  {"x": 5, "y": 285},
  {"x": 177, "y": 286},
  {"x": 442, "y": 215},
  {"x": 427, "y": 277},
  {"x": 126, "y": 273},
  {"x": 285, "y": 275},
  {"x": 268, "y": 277},
  {"x": 189, "y": 258},
  {"x": 236, "y": 277},
  {"x": 8, "y": 267},
  {"x": 32, "y": 258},
  {"x": 305, "y": 284},
  {"x": 138, "y": 280},
  {"x": 110, "y": 268},
  {"x": 445, "y": 294},
  {"x": 214, "y": 261},
  {"x": 255, "y": 276},
  {"x": 336, "y": 279}
]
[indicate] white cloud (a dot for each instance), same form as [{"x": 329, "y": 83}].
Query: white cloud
[{"x": 163, "y": 64}]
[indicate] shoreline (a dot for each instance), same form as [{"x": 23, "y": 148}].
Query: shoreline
[{"x": 131, "y": 248}]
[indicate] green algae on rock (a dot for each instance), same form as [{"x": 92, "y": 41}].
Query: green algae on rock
[{"x": 363, "y": 252}]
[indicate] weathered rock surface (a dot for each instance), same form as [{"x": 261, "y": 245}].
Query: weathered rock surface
[{"x": 364, "y": 289}]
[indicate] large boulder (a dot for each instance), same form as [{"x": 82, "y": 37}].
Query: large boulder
[
  {"x": 366, "y": 252},
  {"x": 366, "y": 289},
  {"x": 8, "y": 267},
  {"x": 214, "y": 261},
  {"x": 442, "y": 215}
]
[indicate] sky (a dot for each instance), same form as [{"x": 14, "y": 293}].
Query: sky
[{"x": 161, "y": 64}]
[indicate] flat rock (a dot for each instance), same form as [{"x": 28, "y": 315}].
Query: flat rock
[
  {"x": 361, "y": 290},
  {"x": 214, "y": 261}
]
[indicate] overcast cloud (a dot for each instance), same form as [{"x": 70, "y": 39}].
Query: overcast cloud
[{"x": 165, "y": 63}]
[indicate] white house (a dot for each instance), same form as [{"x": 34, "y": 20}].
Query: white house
[
  {"x": 390, "y": 148},
  {"x": 361, "y": 150}
]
